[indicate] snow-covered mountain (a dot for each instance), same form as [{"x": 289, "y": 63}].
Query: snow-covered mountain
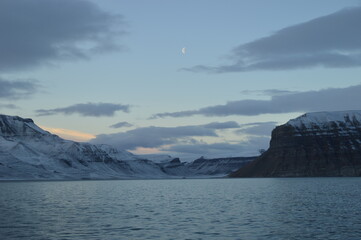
[
  {"x": 314, "y": 144},
  {"x": 29, "y": 152}
]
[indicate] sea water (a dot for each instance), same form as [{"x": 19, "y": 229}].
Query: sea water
[{"x": 269, "y": 208}]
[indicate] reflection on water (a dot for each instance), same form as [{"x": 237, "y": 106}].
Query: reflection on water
[{"x": 297, "y": 208}]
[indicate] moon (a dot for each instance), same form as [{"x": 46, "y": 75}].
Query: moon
[{"x": 183, "y": 50}]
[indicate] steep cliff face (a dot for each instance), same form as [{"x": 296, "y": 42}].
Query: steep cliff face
[{"x": 314, "y": 144}]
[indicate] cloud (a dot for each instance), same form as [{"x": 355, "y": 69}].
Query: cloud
[
  {"x": 87, "y": 109},
  {"x": 121, "y": 125},
  {"x": 267, "y": 92},
  {"x": 257, "y": 129},
  {"x": 9, "y": 106},
  {"x": 152, "y": 137},
  {"x": 17, "y": 89},
  {"x": 222, "y": 125},
  {"x": 332, "y": 41},
  {"x": 331, "y": 99},
  {"x": 37, "y": 32},
  {"x": 206, "y": 149},
  {"x": 183, "y": 141},
  {"x": 213, "y": 150},
  {"x": 257, "y": 137}
]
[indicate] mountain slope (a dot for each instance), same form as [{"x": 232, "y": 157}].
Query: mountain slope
[
  {"x": 218, "y": 166},
  {"x": 314, "y": 144},
  {"x": 29, "y": 152}
]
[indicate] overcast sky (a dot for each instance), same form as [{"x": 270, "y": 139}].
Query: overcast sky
[{"x": 114, "y": 72}]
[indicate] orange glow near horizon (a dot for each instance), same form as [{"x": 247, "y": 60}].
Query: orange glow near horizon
[
  {"x": 70, "y": 134},
  {"x": 142, "y": 150}
]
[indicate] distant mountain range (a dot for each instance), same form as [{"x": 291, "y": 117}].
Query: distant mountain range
[
  {"x": 312, "y": 145},
  {"x": 27, "y": 152}
]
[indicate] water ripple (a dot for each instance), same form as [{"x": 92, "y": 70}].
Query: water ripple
[{"x": 313, "y": 208}]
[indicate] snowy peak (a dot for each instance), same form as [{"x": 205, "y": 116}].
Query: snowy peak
[
  {"x": 327, "y": 120},
  {"x": 14, "y": 126}
]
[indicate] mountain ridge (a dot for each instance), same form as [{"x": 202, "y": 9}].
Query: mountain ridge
[{"x": 28, "y": 152}]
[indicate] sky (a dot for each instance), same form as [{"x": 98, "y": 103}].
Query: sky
[{"x": 113, "y": 72}]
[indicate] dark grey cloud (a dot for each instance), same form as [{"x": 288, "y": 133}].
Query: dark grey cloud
[
  {"x": 87, "y": 109},
  {"x": 16, "y": 89},
  {"x": 332, "y": 41},
  {"x": 36, "y": 32},
  {"x": 152, "y": 137},
  {"x": 121, "y": 125},
  {"x": 332, "y": 99}
]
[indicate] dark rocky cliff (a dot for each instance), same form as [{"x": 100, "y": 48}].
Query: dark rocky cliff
[{"x": 312, "y": 145}]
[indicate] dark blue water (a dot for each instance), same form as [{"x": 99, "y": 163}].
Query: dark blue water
[{"x": 299, "y": 208}]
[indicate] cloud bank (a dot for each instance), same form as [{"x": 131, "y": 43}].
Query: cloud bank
[
  {"x": 332, "y": 41},
  {"x": 255, "y": 136},
  {"x": 332, "y": 99},
  {"x": 153, "y": 137},
  {"x": 213, "y": 150},
  {"x": 184, "y": 141},
  {"x": 87, "y": 109},
  {"x": 36, "y": 32}
]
